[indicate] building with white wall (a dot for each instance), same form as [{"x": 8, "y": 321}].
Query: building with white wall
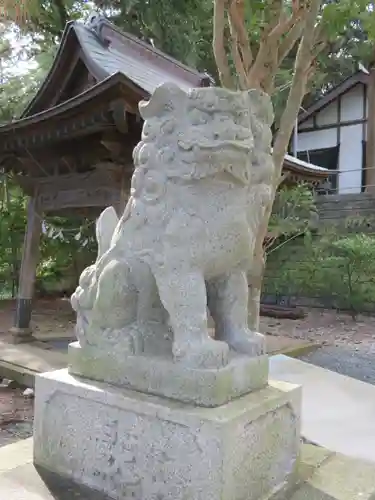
[{"x": 332, "y": 133}]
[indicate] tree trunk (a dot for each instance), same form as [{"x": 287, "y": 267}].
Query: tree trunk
[
  {"x": 301, "y": 74},
  {"x": 255, "y": 289}
]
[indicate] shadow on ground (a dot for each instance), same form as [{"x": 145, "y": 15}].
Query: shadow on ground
[
  {"x": 62, "y": 489},
  {"x": 27, "y": 481},
  {"x": 309, "y": 492}
]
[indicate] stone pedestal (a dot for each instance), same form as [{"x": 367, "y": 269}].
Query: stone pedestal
[{"x": 134, "y": 446}]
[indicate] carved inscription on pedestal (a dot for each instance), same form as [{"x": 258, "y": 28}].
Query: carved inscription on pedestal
[{"x": 126, "y": 454}]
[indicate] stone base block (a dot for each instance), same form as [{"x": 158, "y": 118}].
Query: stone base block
[
  {"x": 133, "y": 446},
  {"x": 20, "y": 335},
  {"x": 160, "y": 376}
]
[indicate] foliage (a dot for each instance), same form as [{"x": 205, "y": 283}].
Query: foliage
[
  {"x": 339, "y": 269},
  {"x": 12, "y": 224},
  {"x": 67, "y": 245},
  {"x": 293, "y": 214},
  {"x": 44, "y": 20}
]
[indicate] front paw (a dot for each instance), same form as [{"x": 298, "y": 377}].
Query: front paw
[
  {"x": 208, "y": 354},
  {"x": 248, "y": 342}
]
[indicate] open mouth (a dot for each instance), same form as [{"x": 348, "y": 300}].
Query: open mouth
[{"x": 239, "y": 145}]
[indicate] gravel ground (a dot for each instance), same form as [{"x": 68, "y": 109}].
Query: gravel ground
[
  {"x": 324, "y": 326},
  {"x": 353, "y": 360},
  {"x": 348, "y": 345},
  {"x": 16, "y": 414}
]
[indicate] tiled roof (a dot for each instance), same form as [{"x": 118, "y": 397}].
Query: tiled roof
[
  {"x": 139, "y": 61},
  {"x": 106, "y": 51},
  {"x": 303, "y": 166}
]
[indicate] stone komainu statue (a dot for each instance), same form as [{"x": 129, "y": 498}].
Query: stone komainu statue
[{"x": 185, "y": 241}]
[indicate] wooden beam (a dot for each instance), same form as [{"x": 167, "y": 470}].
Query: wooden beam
[
  {"x": 54, "y": 201},
  {"x": 54, "y": 131},
  {"x": 104, "y": 174},
  {"x": 71, "y": 157},
  {"x": 124, "y": 194},
  {"x": 67, "y": 77},
  {"x": 21, "y": 332},
  {"x": 119, "y": 114},
  {"x": 346, "y": 123}
]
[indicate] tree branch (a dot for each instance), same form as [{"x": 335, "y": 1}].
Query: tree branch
[
  {"x": 303, "y": 62},
  {"x": 290, "y": 40},
  {"x": 263, "y": 71},
  {"x": 240, "y": 69},
  {"x": 237, "y": 20},
  {"x": 287, "y": 122},
  {"x": 272, "y": 16},
  {"x": 218, "y": 44},
  {"x": 286, "y": 23}
]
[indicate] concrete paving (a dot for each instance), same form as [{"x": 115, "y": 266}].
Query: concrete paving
[
  {"x": 338, "y": 412},
  {"x": 21, "y": 362}
]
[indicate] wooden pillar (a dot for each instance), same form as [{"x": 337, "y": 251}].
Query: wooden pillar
[
  {"x": 21, "y": 330},
  {"x": 370, "y": 147},
  {"x": 124, "y": 195}
]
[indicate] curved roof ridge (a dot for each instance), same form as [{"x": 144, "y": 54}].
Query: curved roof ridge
[
  {"x": 97, "y": 22},
  {"x": 52, "y": 70},
  {"x": 106, "y": 50}
]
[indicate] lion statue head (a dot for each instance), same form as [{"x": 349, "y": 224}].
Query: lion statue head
[{"x": 201, "y": 134}]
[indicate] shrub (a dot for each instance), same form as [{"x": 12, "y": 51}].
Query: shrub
[{"x": 340, "y": 268}]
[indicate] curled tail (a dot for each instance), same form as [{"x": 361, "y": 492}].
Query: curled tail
[{"x": 105, "y": 228}]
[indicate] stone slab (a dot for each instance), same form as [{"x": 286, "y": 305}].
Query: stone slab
[
  {"x": 330, "y": 477},
  {"x": 337, "y": 411},
  {"x": 162, "y": 377},
  {"x": 339, "y": 478},
  {"x": 134, "y": 446}
]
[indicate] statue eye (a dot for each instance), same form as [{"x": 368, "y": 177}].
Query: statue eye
[
  {"x": 242, "y": 116},
  {"x": 168, "y": 107},
  {"x": 168, "y": 127},
  {"x": 166, "y": 155}
]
